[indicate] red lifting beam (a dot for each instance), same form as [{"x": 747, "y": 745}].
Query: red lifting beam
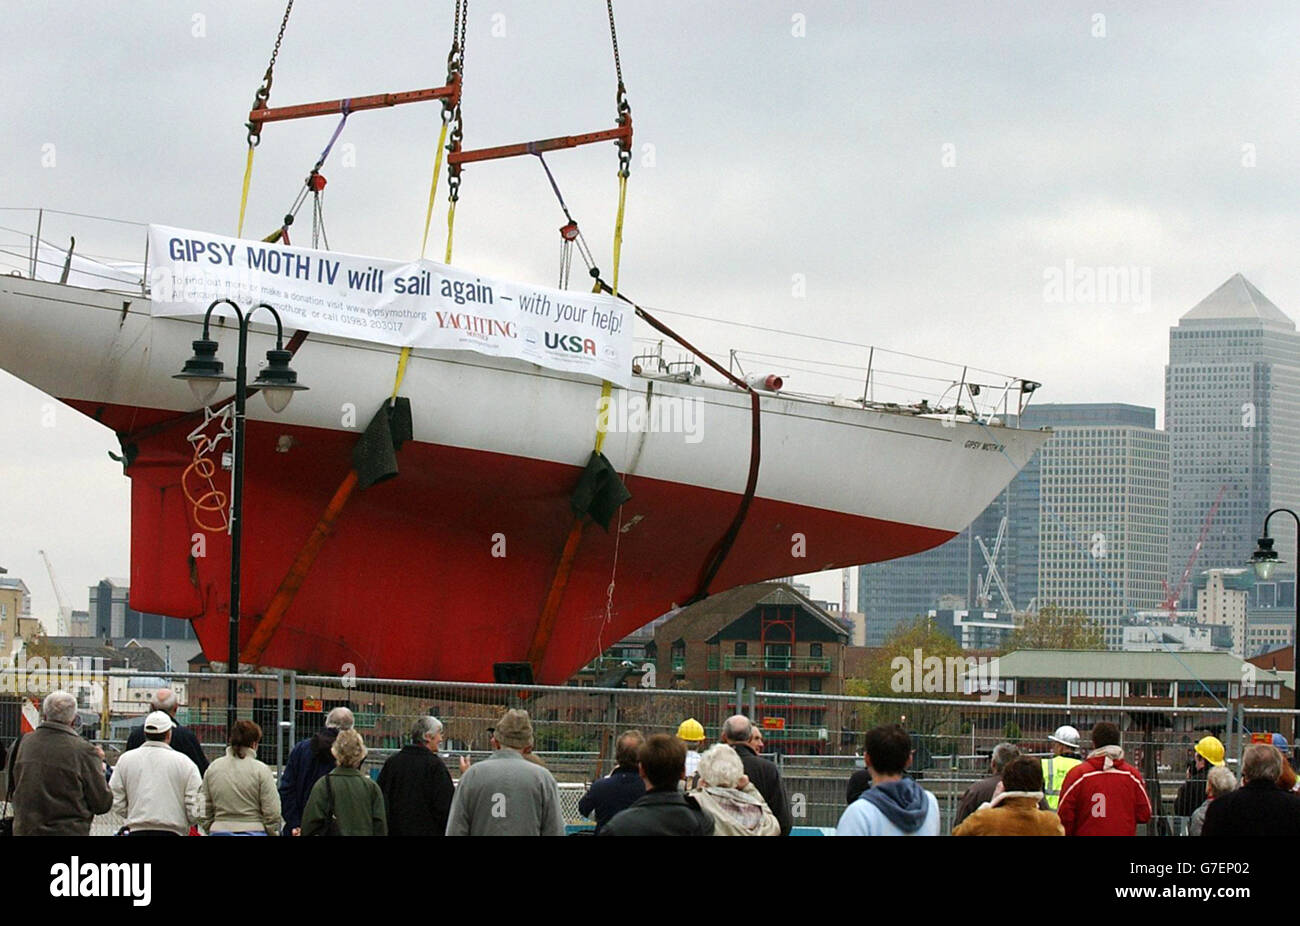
[
  {"x": 622, "y": 134},
  {"x": 451, "y": 93}
]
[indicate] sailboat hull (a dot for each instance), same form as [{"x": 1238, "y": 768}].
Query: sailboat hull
[{"x": 445, "y": 569}]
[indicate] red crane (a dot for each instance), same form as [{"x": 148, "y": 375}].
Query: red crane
[{"x": 1171, "y": 597}]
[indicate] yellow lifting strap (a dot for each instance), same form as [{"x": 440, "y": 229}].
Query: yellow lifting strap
[
  {"x": 602, "y": 420},
  {"x": 433, "y": 188},
  {"x": 243, "y": 196},
  {"x": 618, "y": 228},
  {"x": 451, "y": 224},
  {"x": 401, "y": 372},
  {"x": 405, "y": 356}
]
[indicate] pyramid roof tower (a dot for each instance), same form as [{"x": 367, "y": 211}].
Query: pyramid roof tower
[{"x": 1238, "y": 299}]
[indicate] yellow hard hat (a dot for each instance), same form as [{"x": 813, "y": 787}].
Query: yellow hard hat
[
  {"x": 1210, "y": 749},
  {"x": 693, "y": 732}
]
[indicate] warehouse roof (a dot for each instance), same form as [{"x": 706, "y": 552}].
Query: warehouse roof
[{"x": 1157, "y": 666}]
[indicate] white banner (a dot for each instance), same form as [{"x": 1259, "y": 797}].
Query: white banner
[{"x": 418, "y": 303}]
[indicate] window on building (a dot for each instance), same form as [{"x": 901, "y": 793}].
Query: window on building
[
  {"x": 814, "y": 684},
  {"x": 815, "y": 650},
  {"x": 742, "y": 648},
  {"x": 777, "y": 656}
]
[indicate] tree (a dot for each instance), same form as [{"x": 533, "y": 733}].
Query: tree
[
  {"x": 888, "y": 677},
  {"x": 917, "y": 662},
  {"x": 1055, "y": 628}
]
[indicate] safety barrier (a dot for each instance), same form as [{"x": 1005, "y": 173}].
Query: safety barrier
[{"x": 815, "y": 739}]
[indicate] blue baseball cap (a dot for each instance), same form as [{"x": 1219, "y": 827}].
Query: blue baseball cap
[{"x": 1280, "y": 741}]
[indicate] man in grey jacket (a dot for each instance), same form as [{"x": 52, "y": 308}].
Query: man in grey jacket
[
  {"x": 507, "y": 794},
  {"x": 58, "y": 784}
]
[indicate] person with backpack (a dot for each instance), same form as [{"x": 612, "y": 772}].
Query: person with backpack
[{"x": 346, "y": 802}]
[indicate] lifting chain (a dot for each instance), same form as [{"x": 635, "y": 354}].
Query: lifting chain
[
  {"x": 613, "y": 35},
  {"x": 263, "y": 94},
  {"x": 624, "y": 108},
  {"x": 456, "y": 71}
]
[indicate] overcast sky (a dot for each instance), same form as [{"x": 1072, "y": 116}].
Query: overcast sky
[{"x": 927, "y": 167}]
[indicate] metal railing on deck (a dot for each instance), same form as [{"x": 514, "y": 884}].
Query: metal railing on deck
[{"x": 794, "y": 664}]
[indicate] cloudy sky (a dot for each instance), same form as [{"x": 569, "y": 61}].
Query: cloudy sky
[{"x": 928, "y": 168}]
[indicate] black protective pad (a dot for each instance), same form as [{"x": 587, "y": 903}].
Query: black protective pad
[
  {"x": 375, "y": 455},
  {"x": 600, "y": 492}
]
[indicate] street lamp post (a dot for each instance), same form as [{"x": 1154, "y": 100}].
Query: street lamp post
[
  {"x": 277, "y": 383},
  {"x": 1264, "y": 559}
]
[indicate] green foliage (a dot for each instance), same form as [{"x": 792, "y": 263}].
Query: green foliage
[
  {"x": 1055, "y": 628},
  {"x": 909, "y": 637},
  {"x": 552, "y": 738},
  {"x": 932, "y": 726}
]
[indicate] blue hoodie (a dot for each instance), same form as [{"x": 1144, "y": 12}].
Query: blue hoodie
[{"x": 892, "y": 808}]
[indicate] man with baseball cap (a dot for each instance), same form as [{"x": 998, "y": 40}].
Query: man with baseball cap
[
  {"x": 157, "y": 790},
  {"x": 506, "y": 794},
  {"x": 183, "y": 741},
  {"x": 1065, "y": 756},
  {"x": 1208, "y": 753}
]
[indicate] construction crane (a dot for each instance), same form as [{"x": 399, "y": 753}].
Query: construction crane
[
  {"x": 1170, "y": 604},
  {"x": 65, "y": 613},
  {"x": 993, "y": 575}
]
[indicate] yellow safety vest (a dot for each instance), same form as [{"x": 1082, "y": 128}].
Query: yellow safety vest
[{"x": 1055, "y": 769}]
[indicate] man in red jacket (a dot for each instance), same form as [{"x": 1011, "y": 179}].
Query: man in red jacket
[{"x": 1103, "y": 795}]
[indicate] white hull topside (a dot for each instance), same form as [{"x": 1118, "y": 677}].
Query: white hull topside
[{"x": 104, "y": 347}]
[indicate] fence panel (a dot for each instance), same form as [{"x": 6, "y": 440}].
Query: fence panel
[
  {"x": 574, "y": 728},
  {"x": 817, "y": 740}
]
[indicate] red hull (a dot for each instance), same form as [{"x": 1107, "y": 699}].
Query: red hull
[{"x": 407, "y": 585}]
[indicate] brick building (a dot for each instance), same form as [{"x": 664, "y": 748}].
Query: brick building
[{"x": 766, "y": 637}]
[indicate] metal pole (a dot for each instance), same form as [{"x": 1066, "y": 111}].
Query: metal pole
[
  {"x": 1295, "y": 634},
  {"x": 36, "y": 251},
  {"x": 279, "y": 719},
  {"x": 236, "y": 522},
  {"x": 866, "y": 387},
  {"x": 1240, "y": 731},
  {"x": 293, "y": 707},
  {"x": 1295, "y": 703}
]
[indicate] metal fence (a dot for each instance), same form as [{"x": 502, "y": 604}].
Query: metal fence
[{"x": 815, "y": 739}]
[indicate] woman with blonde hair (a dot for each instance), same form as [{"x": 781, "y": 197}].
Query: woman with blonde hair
[
  {"x": 239, "y": 793},
  {"x": 346, "y": 802}
]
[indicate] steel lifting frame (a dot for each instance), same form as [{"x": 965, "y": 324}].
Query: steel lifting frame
[
  {"x": 450, "y": 94},
  {"x": 621, "y": 134}
]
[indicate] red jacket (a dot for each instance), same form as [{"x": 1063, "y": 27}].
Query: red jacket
[{"x": 1104, "y": 796}]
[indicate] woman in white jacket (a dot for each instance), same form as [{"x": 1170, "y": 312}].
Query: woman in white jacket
[
  {"x": 240, "y": 797},
  {"x": 727, "y": 795}
]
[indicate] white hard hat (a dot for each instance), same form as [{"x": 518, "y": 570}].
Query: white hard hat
[{"x": 1066, "y": 736}]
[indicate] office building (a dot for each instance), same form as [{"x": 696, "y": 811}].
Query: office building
[{"x": 1232, "y": 410}]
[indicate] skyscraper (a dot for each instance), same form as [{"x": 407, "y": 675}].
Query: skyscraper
[
  {"x": 1232, "y": 410},
  {"x": 1103, "y": 536},
  {"x": 1087, "y": 528}
]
